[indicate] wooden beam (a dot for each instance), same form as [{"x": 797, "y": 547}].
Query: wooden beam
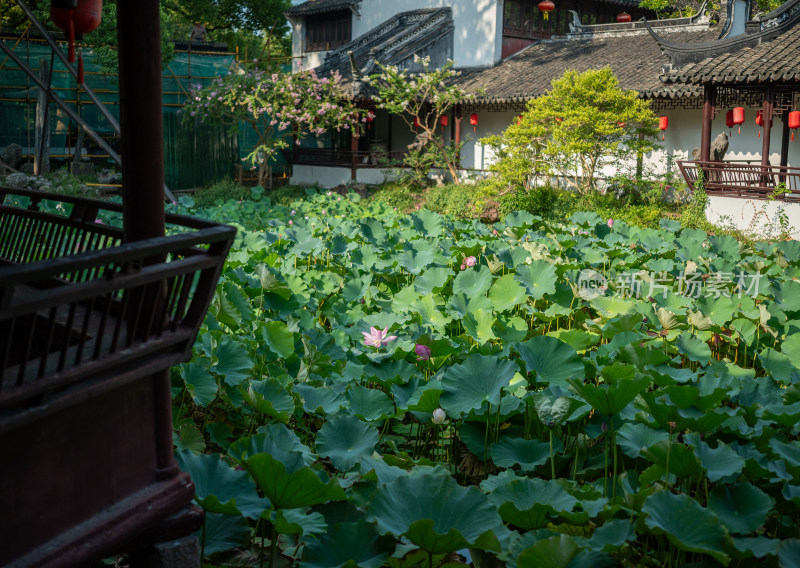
[{"x": 709, "y": 102}]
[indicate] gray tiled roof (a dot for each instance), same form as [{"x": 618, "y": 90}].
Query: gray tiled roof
[
  {"x": 635, "y": 59},
  {"x": 773, "y": 61},
  {"x": 319, "y": 7}
]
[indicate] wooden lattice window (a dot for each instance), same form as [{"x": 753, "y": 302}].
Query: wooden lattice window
[{"x": 328, "y": 31}]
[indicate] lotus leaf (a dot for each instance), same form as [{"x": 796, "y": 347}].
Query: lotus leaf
[
  {"x": 345, "y": 440},
  {"x": 349, "y": 545},
  {"x": 531, "y": 503},
  {"x": 477, "y": 380},
  {"x": 551, "y": 359}
]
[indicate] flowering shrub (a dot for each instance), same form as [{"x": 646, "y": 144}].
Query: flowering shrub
[{"x": 278, "y": 107}]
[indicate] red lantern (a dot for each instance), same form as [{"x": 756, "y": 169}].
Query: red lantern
[
  {"x": 443, "y": 120},
  {"x": 546, "y": 6},
  {"x": 794, "y": 121},
  {"x": 663, "y": 124},
  {"x": 473, "y": 120},
  {"x": 623, "y": 17},
  {"x": 729, "y": 120},
  {"x": 738, "y": 117},
  {"x": 760, "y": 118},
  {"x": 76, "y": 17},
  {"x": 416, "y": 122}
]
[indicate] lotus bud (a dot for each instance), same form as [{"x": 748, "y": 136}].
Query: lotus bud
[{"x": 439, "y": 416}]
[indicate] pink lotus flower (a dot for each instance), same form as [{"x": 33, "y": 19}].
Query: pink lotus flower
[
  {"x": 377, "y": 338},
  {"x": 291, "y": 222},
  {"x": 463, "y": 267},
  {"x": 610, "y": 223},
  {"x": 423, "y": 352},
  {"x": 470, "y": 261}
]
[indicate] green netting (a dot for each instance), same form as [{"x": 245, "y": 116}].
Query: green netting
[{"x": 195, "y": 154}]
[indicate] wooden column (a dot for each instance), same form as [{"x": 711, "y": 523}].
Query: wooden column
[
  {"x": 457, "y": 118},
  {"x": 141, "y": 119},
  {"x": 769, "y": 105},
  {"x": 709, "y": 102},
  {"x": 354, "y": 157},
  {"x": 785, "y": 135}
]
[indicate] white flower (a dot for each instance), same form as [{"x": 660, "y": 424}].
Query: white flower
[{"x": 439, "y": 416}]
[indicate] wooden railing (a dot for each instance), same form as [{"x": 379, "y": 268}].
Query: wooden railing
[
  {"x": 743, "y": 179},
  {"x": 87, "y": 324}
]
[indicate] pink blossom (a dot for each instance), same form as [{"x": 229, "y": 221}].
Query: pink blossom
[
  {"x": 377, "y": 338},
  {"x": 611, "y": 223},
  {"x": 423, "y": 352},
  {"x": 470, "y": 261},
  {"x": 291, "y": 222},
  {"x": 463, "y": 267}
]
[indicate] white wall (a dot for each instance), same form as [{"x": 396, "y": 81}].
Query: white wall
[
  {"x": 477, "y": 39},
  {"x": 755, "y": 217},
  {"x": 324, "y": 176}
]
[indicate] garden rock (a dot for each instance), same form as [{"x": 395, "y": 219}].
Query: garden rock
[
  {"x": 719, "y": 147},
  {"x": 17, "y": 181},
  {"x": 109, "y": 176},
  {"x": 12, "y": 155}
]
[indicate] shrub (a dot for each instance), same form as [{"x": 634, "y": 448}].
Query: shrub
[{"x": 220, "y": 192}]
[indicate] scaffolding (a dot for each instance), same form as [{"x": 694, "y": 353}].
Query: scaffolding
[{"x": 195, "y": 153}]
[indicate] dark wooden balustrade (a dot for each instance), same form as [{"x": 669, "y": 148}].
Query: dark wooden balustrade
[
  {"x": 742, "y": 179},
  {"x": 86, "y": 323}
]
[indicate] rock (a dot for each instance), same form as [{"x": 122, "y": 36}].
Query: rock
[
  {"x": 17, "y": 181},
  {"x": 696, "y": 154},
  {"x": 26, "y": 168},
  {"x": 719, "y": 146},
  {"x": 12, "y": 155},
  {"x": 109, "y": 176}
]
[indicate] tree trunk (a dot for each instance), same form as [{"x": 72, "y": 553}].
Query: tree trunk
[{"x": 41, "y": 161}]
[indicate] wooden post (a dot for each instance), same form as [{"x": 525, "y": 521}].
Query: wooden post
[
  {"x": 769, "y": 104},
  {"x": 141, "y": 118},
  {"x": 41, "y": 158},
  {"x": 785, "y": 143},
  {"x": 709, "y": 102},
  {"x": 457, "y": 118},
  {"x": 354, "y": 157}
]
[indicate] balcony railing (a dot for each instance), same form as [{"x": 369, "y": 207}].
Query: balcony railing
[
  {"x": 87, "y": 323},
  {"x": 742, "y": 179}
]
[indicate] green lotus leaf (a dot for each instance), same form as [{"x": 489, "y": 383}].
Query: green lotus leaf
[
  {"x": 297, "y": 521},
  {"x": 301, "y": 488},
  {"x": 611, "y": 397},
  {"x": 510, "y": 330},
  {"x": 269, "y": 397},
  {"x": 554, "y": 552},
  {"x": 785, "y": 415},
  {"x": 789, "y": 553},
  {"x": 230, "y": 306},
  {"x": 355, "y": 288},
  {"x": 477, "y": 380},
  {"x": 513, "y": 257},
  {"x": 693, "y": 348},
  {"x": 519, "y": 220},
  {"x": 779, "y": 365},
  {"x": 349, "y": 545},
  {"x": 478, "y": 324},
  {"x": 430, "y": 315},
  {"x": 789, "y": 452},
  {"x": 436, "y": 513},
  {"x": 719, "y": 462},
  {"x": 200, "y": 383},
  {"x": 634, "y": 437},
  {"x": 528, "y": 454},
  {"x": 473, "y": 281},
  {"x": 758, "y": 547},
  {"x": 531, "y": 503},
  {"x": 415, "y": 261},
  {"x": 538, "y": 277},
  {"x": 370, "y": 404},
  {"x": 316, "y": 398},
  {"x": 232, "y": 361},
  {"x": 278, "y": 441},
  {"x": 742, "y": 508},
  {"x": 553, "y": 411},
  {"x": 578, "y": 339},
  {"x": 278, "y": 338},
  {"x": 746, "y": 329},
  {"x": 686, "y": 524},
  {"x": 432, "y": 279},
  {"x": 682, "y": 460},
  {"x": 553, "y": 360},
  {"x": 612, "y": 535},
  {"x": 506, "y": 293},
  {"x": 221, "y": 489},
  {"x": 613, "y": 306},
  {"x": 345, "y": 440},
  {"x": 787, "y": 295},
  {"x": 720, "y": 310},
  {"x": 222, "y": 532}
]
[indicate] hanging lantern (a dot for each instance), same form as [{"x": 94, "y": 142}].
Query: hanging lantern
[
  {"x": 519, "y": 120},
  {"x": 760, "y": 118},
  {"x": 546, "y": 6},
  {"x": 738, "y": 117},
  {"x": 663, "y": 124},
  {"x": 416, "y": 122},
  {"x": 794, "y": 121},
  {"x": 370, "y": 118},
  {"x": 443, "y": 121},
  {"x": 623, "y": 17},
  {"x": 473, "y": 120},
  {"x": 729, "y": 120},
  {"x": 76, "y": 17}
]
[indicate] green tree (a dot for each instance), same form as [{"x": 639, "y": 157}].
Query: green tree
[
  {"x": 582, "y": 124},
  {"x": 682, "y": 8},
  {"x": 279, "y": 107},
  {"x": 421, "y": 99}
]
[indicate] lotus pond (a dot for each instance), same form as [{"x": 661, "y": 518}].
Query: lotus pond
[{"x": 373, "y": 389}]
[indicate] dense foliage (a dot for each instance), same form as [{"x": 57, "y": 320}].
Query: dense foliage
[
  {"x": 584, "y": 123},
  {"x": 374, "y": 389},
  {"x": 278, "y": 106}
]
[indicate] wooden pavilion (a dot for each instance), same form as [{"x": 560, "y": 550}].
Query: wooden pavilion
[
  {"x": 97, "y": 301},
  {"x": 758, "y": 70}
]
